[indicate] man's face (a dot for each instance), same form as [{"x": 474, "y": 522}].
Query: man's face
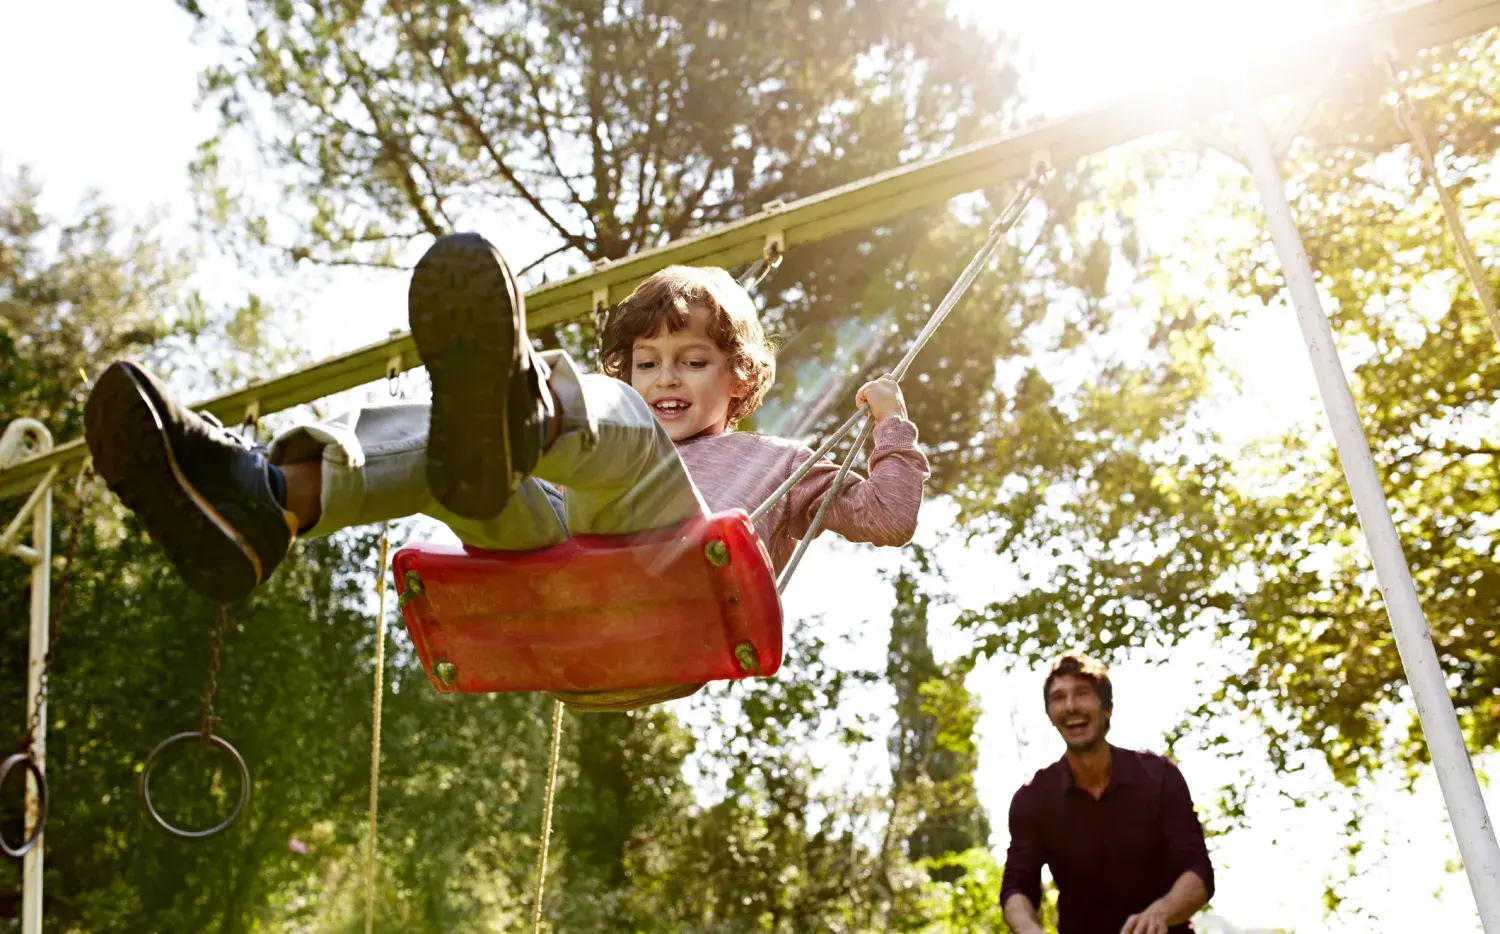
[{"x": 1074, "y": 708}]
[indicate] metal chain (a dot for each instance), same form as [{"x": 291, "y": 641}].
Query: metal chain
[
  {"x": 1409, "y": 121},
  {"x": 768, "y": 263},
  {"x": 210, "y": 719},
  {"x": 84, "y": 488}
]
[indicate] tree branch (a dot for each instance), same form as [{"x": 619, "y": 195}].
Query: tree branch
[
  {"x": 543, "y": 258},
  {"x": 467, "y": 120},
  {"x": 544, "y": 128},
  {"x": 1455, "y": 451},
  {"x": 361, "y": 263},
  {"x": 594, "y": 78},
  {"x": 646, "y": 154},
  {"x": 403, "y": 158},
  {"x": 695, "y": 200}
]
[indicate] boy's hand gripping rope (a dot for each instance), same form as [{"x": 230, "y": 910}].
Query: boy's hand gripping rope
[
  {"x": 998, "y": 229},
  {"x": 753, "y": 277}
]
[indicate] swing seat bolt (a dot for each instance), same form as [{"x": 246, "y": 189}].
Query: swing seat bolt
[
  {"x": 414, "y": 582},
  {"x": 413, "y": 589},
  {"x": 744, "y": 653},
  {"x": 717, "y": 553},
  {"x": 446, "y": 671}
]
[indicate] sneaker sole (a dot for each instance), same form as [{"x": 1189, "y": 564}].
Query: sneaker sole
[
  {"x": 468, "y": 322},
  {"x": 133, "y": 454}
]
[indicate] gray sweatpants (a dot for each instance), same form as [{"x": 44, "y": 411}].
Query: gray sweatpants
[{"x": 618, "y": 469}]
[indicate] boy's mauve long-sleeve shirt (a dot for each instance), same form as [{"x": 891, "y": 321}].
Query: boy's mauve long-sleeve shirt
[{"x": 740, "y": 469}]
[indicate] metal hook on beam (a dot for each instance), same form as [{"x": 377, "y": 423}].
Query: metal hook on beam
[{"x": 394, "y": 367}]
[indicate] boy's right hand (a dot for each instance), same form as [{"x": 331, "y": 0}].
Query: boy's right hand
[{"x": 883, "y": 396}]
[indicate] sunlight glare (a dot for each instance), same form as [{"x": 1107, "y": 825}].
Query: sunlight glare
[{"x": 1076, "y": 54}]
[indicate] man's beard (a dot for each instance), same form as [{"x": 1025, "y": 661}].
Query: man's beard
[{"x": 1092, "y": 742}]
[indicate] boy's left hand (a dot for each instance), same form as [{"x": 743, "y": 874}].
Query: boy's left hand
[{"x": 884, "y": 398}]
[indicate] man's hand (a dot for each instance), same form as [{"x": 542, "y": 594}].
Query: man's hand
[
  {"x": 1186, "y": 896},
  {"x": 1151, "y": 921},
  {"x": 1021, "y": 915},
  {"x": 884, "y": 398}
]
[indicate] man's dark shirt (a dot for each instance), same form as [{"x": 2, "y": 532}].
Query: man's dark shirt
[{"x": 1112, "y": 857}]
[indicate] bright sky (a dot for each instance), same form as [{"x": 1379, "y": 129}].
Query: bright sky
[{"x": 87, "y": 75}]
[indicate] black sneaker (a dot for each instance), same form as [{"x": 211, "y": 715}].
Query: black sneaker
[
  {"x": 202, "y": 492},
  {"x": 489, "y": 408}
]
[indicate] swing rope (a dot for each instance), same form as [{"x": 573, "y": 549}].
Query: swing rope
[
  {"x": 1002, "y": 225},
  {"x": 757, "y": 273},
  {"x": 1407, "y": 118},
  {"x": 833, "y": 492},
  {"x": 385, "y": 549},
  {"x": 541, "y": 858}
]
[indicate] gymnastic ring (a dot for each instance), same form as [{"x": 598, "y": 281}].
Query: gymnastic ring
[
  {"x": 145, "y": 786},
  {"x": 10, "y": 763}
]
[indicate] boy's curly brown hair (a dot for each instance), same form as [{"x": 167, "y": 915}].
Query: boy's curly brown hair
[{"x": 664, "y": 300}]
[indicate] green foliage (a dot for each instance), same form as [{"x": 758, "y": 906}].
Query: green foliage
[
  {"x": 1426, "y": 384},
  {"x": 611, "y": 128},
  {"x": 1136, "y": 526},
  {"x": 129, "y": 659},
  {"x": 933, "y": 754},
  {"x": 75, "y": 292},
  {"x": 1066, "y": 405},
  {"x": 384, "y": 124},
  {"x": 623, "y": 124},
  {"x": 607, "y": 128},
  {"x": 969, "y": 905}
]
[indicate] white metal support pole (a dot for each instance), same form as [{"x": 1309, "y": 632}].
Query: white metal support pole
[
  {"x": 19, "y": 436},
  {"x": 1450, "y": 757},
  {"x": 36, "y": 707}
]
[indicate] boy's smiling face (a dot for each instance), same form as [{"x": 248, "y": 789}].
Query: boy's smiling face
[{"x": 685, "y": 377}]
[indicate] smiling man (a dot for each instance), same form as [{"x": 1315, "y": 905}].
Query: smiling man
[{"x": 1117, "y": 827}]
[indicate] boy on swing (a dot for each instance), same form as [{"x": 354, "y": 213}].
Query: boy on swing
[{"x": 649, "y": 444}]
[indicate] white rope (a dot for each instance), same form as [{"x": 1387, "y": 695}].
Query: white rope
[
  {"x": 817, "y": 523},
  {"x": 1002, "y": 225},
  {"x": 1406, "y": 116},
  {"x": 385, "y": 547},
  {"x": 541, "y": 859}
]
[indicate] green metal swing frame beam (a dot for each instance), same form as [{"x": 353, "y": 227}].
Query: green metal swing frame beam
[{"x": 870, "y": 201}]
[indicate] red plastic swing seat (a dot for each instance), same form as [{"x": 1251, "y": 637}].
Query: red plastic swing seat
[{"x": 683, "y": 604}]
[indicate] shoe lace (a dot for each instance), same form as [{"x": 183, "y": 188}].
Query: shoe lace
[{"x": 230, "y": 436}]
